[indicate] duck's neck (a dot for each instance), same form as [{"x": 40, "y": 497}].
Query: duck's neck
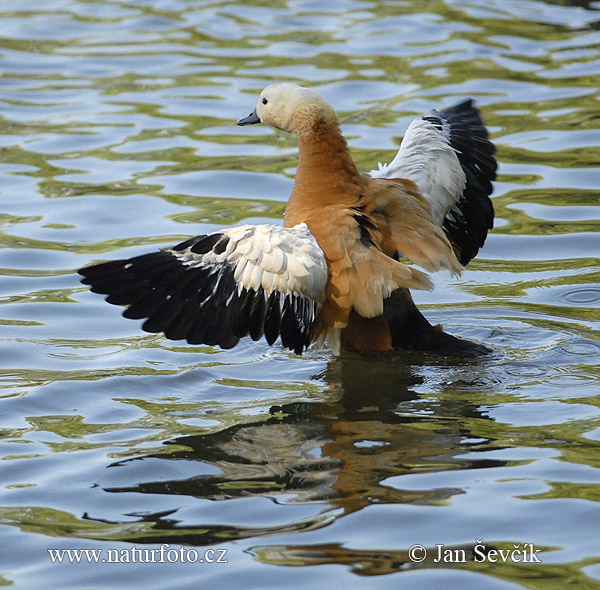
[{"x": 326, "y": 173}]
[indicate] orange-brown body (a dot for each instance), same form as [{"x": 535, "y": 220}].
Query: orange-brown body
[
  {"x": 393, "y": 220},
  {"x": 334, "y": 275}
]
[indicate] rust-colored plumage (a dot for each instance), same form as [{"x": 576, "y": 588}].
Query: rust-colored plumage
[
  {"x": 339, "y": 272},
  {"x": 363, "y": 225}
]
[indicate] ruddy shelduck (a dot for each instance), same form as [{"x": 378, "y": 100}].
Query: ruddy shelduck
[{"x": 337, "y": 272}]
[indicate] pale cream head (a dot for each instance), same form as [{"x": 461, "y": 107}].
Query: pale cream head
[{"x": 290, "y": 107}]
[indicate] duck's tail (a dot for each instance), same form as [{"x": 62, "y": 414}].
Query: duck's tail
[{"x": 410, "y": 330}]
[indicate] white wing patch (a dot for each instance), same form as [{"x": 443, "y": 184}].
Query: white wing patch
[
  {"x": 288, "y": 260},
  {"x": 217, "y": 288},
  {"x": 427, "y": 158}
]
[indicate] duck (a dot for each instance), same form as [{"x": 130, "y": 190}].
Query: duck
[{"x": 340, "y": 271}]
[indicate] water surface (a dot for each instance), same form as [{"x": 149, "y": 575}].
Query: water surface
[{"x": 118, "y": 137}]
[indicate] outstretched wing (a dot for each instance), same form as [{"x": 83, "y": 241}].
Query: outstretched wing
[
  {"x": 448, "y": 155},
  {"x": 216, "y": 288}
]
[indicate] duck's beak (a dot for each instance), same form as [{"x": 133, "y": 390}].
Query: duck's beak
[{"x": 251, "y": 119}]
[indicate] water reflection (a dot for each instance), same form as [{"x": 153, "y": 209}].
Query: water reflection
[{"x": 335, "y": 452}]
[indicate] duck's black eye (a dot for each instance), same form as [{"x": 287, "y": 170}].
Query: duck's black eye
[{"x": 265, "y": 101}]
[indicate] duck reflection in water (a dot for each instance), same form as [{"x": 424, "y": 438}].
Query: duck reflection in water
[{"x": 335, "y": 452}]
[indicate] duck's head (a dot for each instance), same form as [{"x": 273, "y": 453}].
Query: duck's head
[{"x": 290, "y": 107}]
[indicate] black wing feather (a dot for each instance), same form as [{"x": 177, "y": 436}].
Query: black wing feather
[
  {"x": 469, "y": 221},
  {"x": 201, "y": 303}
]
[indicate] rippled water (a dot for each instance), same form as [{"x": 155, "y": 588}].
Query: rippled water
[{"x": 118, "y": 136}]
